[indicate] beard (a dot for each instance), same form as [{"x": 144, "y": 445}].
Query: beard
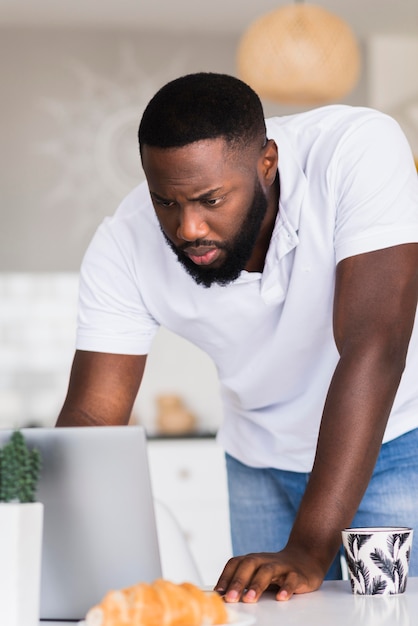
[{"x": 238, "y": 250}]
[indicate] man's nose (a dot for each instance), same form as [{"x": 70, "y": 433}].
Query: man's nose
[{"x": 192, "y": 225}]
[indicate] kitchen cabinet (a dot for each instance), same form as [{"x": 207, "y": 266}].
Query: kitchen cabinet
[{"x": 189, "y": 476}]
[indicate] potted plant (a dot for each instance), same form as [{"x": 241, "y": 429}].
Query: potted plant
[{"x": 21, "y": 519}]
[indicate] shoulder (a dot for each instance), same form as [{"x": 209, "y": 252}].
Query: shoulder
[
  {"x": 327, "y": 134},
  {"x": 332, "y": 118},
  {"x": 130, "y": 233},
  {"x": 134, "y": 216}
]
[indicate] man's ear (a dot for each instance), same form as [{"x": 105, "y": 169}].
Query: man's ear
[{"x": 269, "y": 160}]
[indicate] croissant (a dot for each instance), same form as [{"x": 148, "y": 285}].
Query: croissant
[{"x": 161, "y": 603}]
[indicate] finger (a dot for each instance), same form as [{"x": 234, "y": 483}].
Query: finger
[
  {"x": 284, "y": 594},
  {"x": 266, "y": 576},
  {"x": 291, "y": 584},
  {"x": 227, "y": 575},
  {"x": 237, "y": 576}
]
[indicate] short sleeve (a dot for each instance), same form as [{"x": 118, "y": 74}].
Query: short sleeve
[
  {"x": 376, "y": 188},
  {"x": 112, "y": 316}
]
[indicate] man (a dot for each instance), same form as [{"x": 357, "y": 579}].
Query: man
[{"x": 290, "y": 256}]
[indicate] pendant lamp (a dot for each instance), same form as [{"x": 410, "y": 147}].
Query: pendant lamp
[{"x": 299, "y": 54}]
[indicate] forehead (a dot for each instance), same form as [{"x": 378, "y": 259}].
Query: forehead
[{"x": 209, "y": 159}]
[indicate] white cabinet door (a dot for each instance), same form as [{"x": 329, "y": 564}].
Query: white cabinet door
[{"x": 189, "y": 476}]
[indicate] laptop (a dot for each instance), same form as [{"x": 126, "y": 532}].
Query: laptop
[{"x": 99, "y": 525}]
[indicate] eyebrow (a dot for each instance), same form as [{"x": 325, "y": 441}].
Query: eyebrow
[{"x": 206, "y": 195}]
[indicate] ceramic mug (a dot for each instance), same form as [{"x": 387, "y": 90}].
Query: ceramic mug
[{"x": 377, "y": 559}]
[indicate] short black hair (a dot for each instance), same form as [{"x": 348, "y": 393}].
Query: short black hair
[{"x": 202, "y": 106}]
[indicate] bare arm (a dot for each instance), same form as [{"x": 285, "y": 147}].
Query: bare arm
[
  {"x": 375, "y": 304},
  {"x": 102, "y": 389}
]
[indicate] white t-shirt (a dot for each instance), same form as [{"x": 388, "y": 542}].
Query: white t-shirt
[{"x": 348, "y": 186}]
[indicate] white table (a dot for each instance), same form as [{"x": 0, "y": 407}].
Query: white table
[{"x": 332, "y": 605}]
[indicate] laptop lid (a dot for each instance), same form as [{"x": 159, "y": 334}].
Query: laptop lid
[{"x": 99, "y": 524}]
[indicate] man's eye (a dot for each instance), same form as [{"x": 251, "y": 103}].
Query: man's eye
[
  {"x": 213, "y": 201},
  {"x": 165, "y": 203}
]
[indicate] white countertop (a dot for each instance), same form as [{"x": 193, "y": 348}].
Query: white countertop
[{"x": 333, "y": 604}]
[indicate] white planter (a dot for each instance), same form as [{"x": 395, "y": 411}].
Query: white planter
[{"x": 20, "y": 563}]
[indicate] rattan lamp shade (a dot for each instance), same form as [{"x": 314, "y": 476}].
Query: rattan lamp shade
[{"x": 299, "y": 54}]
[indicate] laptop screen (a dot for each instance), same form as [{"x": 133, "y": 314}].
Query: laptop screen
[{"x": 99, "y": 525}]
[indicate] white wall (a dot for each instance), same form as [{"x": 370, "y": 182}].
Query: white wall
[
  {"x": 393, "y": 85},
  {"x": 37, "y": 330}
]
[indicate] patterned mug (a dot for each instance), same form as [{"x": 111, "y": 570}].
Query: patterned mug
[{"x": 377, "y": 559}]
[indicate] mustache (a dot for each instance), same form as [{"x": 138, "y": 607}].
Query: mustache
[{"x": 207, "y": 243}]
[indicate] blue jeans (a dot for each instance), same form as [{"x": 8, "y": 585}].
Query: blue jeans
[{"x": 263, "y": 502}]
